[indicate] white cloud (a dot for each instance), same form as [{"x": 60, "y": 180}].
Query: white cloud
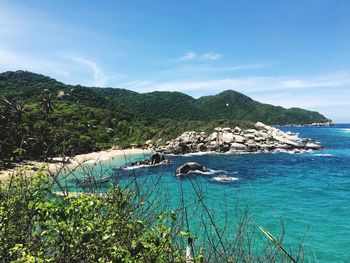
[
  {"x": 311, "y": 101},
  {"x": 195, "y": 56},
  {"x": 187, "y": 56},
  {"x": 210, "y": 56},
  {"x": 230, "y": 68},
  {"x": 251, "y": 84},
  {"x": 99, "y": 77}
]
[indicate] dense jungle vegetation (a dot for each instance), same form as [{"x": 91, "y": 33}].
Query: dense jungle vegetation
[{"x": 41, "y": 117}]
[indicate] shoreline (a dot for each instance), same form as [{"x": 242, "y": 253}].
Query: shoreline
[{"x": 70, "y": 163}]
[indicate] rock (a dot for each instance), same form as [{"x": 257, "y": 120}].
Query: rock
[
  {"x": 263, "y": 139},
  {"x": 148, "y": 142},
  {"x": 259, "y": 139},
  {"x": 260, "y": 125},
  {"x": 250, "y": 131},
  {"x": 156, "y": 158},
  {"x": 224, "y": 148},
  {"x": 185, "y": 137},
  {"x": 213, "y": 146},
  {"x": 191, "y": 167},
  {"x": 261, "y": 134},
  {"x": 201, "y": 147},
  {"x": 238, "y": 147},
  {"x": 313, "y": 146},
  {"x": 282, "y": 146},
  {"x": 228, "y": 137},
  {"x": 249, "y": 136},
  {"x": 237, "y": 130},
  {"x": 214, "y": 136},
  {"x": 239, "y": 139},
  {"x": 60, "y": 94}
]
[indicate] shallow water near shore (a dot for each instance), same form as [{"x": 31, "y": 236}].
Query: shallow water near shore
[{"x": 310, "y": 190}]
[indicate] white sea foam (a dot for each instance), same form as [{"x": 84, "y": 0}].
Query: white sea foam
[
  {"x": 212, "y": 153},
  {"x": 206, "y": 173},
  {"x": 197, "y": 154},
  {"x": 126, "y": 168},
  {"x": 227, "y": 179},
  {"x": 93, "y": 161},
  {"x": 211, "y": 172},
  {"x": 346, "y": 130},
  {"x": 323, "y": 155}
]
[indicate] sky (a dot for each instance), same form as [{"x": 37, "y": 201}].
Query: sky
[{"x": 292, "y": 53}]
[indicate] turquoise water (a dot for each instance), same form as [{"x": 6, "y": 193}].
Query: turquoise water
[{"x": 307, "y": 192}]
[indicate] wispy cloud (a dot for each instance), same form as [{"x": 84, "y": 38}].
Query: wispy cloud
[
  {"x": 99, "y": 78},
  {"x": 310, "y": 101},
  {"x": 230, "y": 68},
  {"x": 210, "y": 56},
  {"x": 247, "y": 84},
  {"x": 72, "y": 69},
  {"x": 188, "y": 56}
]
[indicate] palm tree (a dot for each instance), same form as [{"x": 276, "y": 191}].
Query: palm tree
[
  {"x": 13, "y": 108},
  {"x": 46, "y": 103}
]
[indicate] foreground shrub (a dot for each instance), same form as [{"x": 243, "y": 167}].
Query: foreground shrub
[{"x": 39, "y": 226}]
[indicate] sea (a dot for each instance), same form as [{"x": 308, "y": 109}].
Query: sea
[{"x": 304, "y": 197}]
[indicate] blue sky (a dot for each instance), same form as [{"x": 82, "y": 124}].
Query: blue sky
[{"x": 288, "y": 53}]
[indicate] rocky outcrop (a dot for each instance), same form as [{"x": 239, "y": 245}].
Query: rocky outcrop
[
  {"x": 263, "y": 138},
  {"x": 191, "y": 167},
  {"x": 155, "y": 159}
]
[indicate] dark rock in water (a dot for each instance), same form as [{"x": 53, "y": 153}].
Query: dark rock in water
[
  {"x": 156, "y": 158},
  {"x": 191, "y": 167}
]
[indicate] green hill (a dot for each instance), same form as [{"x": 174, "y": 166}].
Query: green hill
[
  {"x": 234, "y": 105},
  {"x": 41, "y": 117},
  {"x": 228, "y": 105}
]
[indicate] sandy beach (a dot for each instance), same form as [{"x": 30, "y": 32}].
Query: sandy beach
[{"x": 71, "y": 163}]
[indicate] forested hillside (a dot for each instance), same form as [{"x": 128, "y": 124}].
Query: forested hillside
[{"x": 41, "y": 117}]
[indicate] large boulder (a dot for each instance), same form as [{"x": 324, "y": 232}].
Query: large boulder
[
  {"x": 239, "y": 139},
  {"x": 228, "y": 137},
  {"x": 214, "y": 136},
  {"x": 191, "y": 167},
  {"x": 156, "y": 158},
  {"x": 237, "y": 130}
]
